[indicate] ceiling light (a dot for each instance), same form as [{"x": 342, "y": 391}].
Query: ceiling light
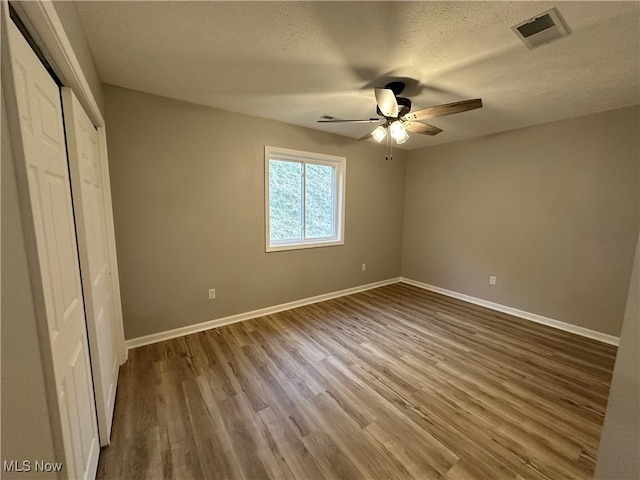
[
  {"x": 398, "y": 132},
  {"x": 396, "y": 129},
  {"x": 379, "y": 133},
  {"x": 403, "y": 138}
]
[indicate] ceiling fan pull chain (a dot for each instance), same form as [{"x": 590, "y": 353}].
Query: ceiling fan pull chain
[{"x": 386, "y": 155}]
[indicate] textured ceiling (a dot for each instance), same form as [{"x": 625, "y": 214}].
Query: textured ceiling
[{"x": 295, "y": 61}]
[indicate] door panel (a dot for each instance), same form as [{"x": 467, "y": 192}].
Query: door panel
[
  {"x": 85, "y": 164},
  {"x": 49, "y": 193}
]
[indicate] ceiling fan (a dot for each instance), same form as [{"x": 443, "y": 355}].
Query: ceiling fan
[{"x": 398, "y": 117}]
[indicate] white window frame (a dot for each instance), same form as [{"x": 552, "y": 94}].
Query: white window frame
[{"x": 339, "y": 163}]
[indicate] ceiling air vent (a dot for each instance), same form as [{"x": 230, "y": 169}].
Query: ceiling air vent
[{"x": 541, "y": 29}]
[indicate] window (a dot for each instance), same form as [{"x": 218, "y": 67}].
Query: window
[{"x": 304, "y": 199}]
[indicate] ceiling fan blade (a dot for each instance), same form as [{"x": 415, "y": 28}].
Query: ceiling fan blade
[
  {"x": 387, "y": 102},
  {"x": 368, "y": 135},
  {"x": 446, "y": 109},
  {"x": 340, "y": 120},
  {"x": 423, "y": 128}
]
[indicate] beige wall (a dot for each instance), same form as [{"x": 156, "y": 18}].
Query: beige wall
[
  {"x": 619, "y": 452},
  {"x": 188, "y": 193},
  {"x": 551, "y": 210},
  {"x": 26, "y": 431}
]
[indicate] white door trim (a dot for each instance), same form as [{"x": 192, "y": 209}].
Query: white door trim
[
  {"x": 111, "y": 239},
  {"x": 41, "y": 19}
]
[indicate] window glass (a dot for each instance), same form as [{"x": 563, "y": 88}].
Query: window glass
[
  {"x": 285, "y": 200},
  {"x": 319, "y": 207}
]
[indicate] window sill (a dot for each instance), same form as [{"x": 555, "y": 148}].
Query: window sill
[{"x": 300, "y": 246}]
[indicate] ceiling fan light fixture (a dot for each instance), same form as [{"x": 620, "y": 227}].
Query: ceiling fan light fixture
[
  {"x": 379, "y": 133},
  {"x": 402, "y": 138},
  {"x": 397, "y": 130}
]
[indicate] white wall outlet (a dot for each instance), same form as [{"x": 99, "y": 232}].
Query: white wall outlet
[
  {"x": 364, "y": 267},
  {"x": 212, "y": 293},
  {"x": 492, "y": 280}
]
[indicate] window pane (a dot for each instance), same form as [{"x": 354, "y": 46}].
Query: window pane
[
  {"x": 319, "y": 197},
  {"x": 285, "y": 200}
]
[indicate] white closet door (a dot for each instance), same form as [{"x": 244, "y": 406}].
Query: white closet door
[
  {"x": 47, "y": 175},
  {"x": 85, "y": 165}
]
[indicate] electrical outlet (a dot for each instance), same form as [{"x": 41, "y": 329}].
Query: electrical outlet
[
  {"x": 492, "y": 280},
  {"x": 212, "y": 293},
  {"x": 364, "y": 267}
]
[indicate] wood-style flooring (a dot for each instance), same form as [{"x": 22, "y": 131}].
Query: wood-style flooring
[{"x": 395, "y": 382}]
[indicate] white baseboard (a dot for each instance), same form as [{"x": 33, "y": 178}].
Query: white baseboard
[
  {"x": 240, "y": 317},
  {"x": 584, "y": 332}
]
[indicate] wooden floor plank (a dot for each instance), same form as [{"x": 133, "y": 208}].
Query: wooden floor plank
[{"x": 395, "y": 382}]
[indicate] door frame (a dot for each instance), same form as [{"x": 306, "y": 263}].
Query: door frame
[{"x": 43, "y": 23}]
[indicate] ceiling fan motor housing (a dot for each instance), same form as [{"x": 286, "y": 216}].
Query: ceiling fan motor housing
[
  {"x": 395, "y": 87},
  {"x": 404, "y": 106}
]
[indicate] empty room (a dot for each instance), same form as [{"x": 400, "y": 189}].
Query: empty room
[{"x": 320, "y": 240}]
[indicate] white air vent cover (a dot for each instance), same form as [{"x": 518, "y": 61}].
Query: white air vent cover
[{"x": 541, "y": 29}]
